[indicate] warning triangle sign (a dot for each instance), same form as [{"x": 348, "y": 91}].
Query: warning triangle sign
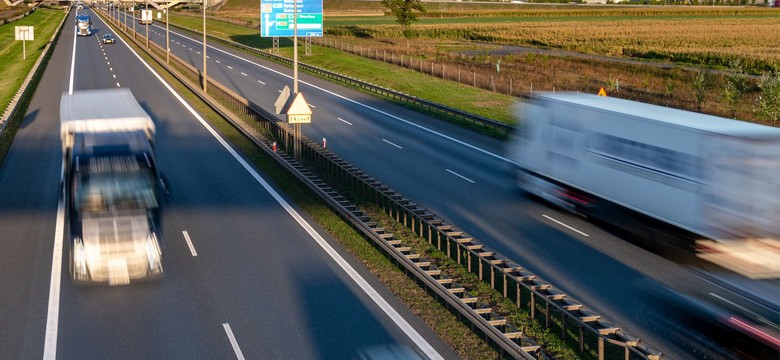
[{"x": 602, "y": 92}]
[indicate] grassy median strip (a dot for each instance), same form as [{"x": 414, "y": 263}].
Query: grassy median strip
[
  {"x": 470, "y": 99},
  {"x": 454, "y": 332},
  {"x": 14, "y": 69}
]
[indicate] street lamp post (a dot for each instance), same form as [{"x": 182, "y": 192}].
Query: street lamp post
[
  {"x": 167, "y": 38},
  {"x": 205, "y": 77},
  {"x": 146, "y": 13}
]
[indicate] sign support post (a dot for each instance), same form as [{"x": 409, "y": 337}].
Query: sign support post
[{"x": 24, "y": 33}]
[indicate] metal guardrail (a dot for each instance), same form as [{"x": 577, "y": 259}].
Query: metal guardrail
[
  {"x": 25, "y": 89},
  {"x": 377, "y": 89},
  {"x": 543, "y": 301}
]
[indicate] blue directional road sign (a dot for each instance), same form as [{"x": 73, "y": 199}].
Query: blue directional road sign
[{"x": 276, "y": 18}]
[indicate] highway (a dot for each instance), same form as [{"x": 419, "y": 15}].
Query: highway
[
  {"x": 248, "y": 275},
  {"x": 461, "y": 176}
]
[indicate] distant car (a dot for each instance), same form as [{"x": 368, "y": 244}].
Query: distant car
[{"x": 108, "y": 39}]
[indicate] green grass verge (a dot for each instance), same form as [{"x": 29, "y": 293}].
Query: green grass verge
[
  {"x": 473, "y": 100},
  {"x": 13, "y": 70},
  {"x": 454, "y": 332}
]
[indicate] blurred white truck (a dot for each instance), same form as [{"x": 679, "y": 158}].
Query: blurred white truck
[
  {"x": 673, "y": 177},
  {"x": 112, "y": 187}
]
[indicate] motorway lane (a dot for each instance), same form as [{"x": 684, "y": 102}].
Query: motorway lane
[
  {"x": 29, "y": 179},
  {"x": 256, "y": 269},
  {"x": 609, "y": 274}
]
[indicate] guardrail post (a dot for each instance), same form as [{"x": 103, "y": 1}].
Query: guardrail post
[
  {"x": 547, "y": 314},
  {"x": 533, "y": 305},
  {"x": 492, "y": 278},
  {"x": 582, "y": 338},
  {"x": 601, "y": 348},
  {"x": 506, "y": 290},
  {"x": 519, "y": 295},
  {"x": 563, "y": 325}
]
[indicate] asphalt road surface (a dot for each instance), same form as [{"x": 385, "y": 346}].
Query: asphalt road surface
[{"x": 259, "y": 280}]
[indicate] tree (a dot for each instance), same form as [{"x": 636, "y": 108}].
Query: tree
[
  {"x": 735, "y": 86},
  {"x": 404, "y": 11},
  {"x": 769, "y": 100},
  {"x": 700, "y": 84}
]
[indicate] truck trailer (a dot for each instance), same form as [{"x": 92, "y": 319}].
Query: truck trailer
[
  {"x": 112, "y": 187},
  {"x": 672, "y": 178},
  {"x": 83, "y": 25},
  {"x": 714, "y": 178}
]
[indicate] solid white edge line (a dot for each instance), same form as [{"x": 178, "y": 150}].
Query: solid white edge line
[
  {"x": 233, "y": 342},
  {"x": 53, "y": 315},
  {"x": 413, "y": 335},
  {"x": 566, "y": 226},
  {"x": 359, "y": 104},
  {"x": 391, "y": 143},
  {"x": 345, "y": 121},
  {"x": 72, "y": 62},
  {"x": 460, "y": 176},
  {"x": 189, "y": 243}
]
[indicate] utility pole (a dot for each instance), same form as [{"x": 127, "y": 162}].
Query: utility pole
[
  {"x": 296, "y": 126},
  {"x": 146, "y": 13},
  {"x": 205, "y": 78},
  {"x": 167, "y": 38}
]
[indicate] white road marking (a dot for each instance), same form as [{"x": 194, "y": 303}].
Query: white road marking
[
  {"x": 218, "y": 62},
  {"x": 198, "y": 52},
  {"x": 117, "y": 85},
  {"x": 72, "y": 63},
  {"x": 230, "y": 67},
  {"x": 312, "y": 106},
  {"x": 208, "y": 57},
  {"x": 111, "y": 69},
  {"x": 261, "y": 82},
  {"x": 460, "y": 176},
  {"x": 233, "y": 342},
  {"x": 566, "y": 226},
  {"x": 106, "y": 57},
  {"x": 345, "y": 121},
  {"x": 387, "y": 141},
  {"x": 53, "y": 316},
  {"x": 108, "y": 62},
  {"x": 434, "y": 132},
  {"x": 190, "y": 49},
  {"x": 243, "y": 73},
  {"x": 189, "y": 243},
  {"x": 426, "y": 348},
  {"x": 114, "y": 75}
]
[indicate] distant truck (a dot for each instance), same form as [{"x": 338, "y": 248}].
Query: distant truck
[
  {"x": 145, "y": 18},
  {"x": 83, "y": 25},
  {"x": 112, "y": 187},
  {"x": 654, "y": 170}
]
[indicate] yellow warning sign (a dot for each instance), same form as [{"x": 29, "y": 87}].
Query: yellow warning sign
[{"x": 602, "y": 92}]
